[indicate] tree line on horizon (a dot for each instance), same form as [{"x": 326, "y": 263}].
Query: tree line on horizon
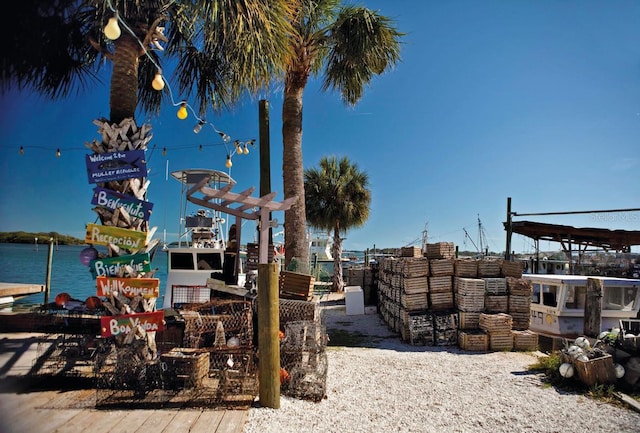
[{"x": 42, "y": 238}]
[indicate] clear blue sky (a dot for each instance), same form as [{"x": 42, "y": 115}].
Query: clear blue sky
[{"x": 534, "y": 100}]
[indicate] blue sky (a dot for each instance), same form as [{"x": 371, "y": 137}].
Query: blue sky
[{"x": 534, "y": 100}]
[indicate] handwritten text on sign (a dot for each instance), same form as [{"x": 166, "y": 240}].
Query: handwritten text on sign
[
  {"x": 113, "y": 200},
  {"x": 111, "y": 266},
  {"x": 124, "y": 238},
  {"x": 130, "y": 287},
  {"x": 105, "y": 167},
  {"x": 126, "y": 323}
]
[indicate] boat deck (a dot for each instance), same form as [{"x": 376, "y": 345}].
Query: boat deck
[{"x": 42, "y": 409}]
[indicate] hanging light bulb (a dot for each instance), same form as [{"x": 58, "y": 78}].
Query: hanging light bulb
[
  {"x": 112, "y": 29},
  {"x": 246, "y": 149},
  {"x": 228, "y": 164},
  {"x": 164, "y": 151},
  {"x": 201, "y": 148},
  {"x": 158, "y": 81},
  {"x": 182, "y": 111},
  {"x": 21, "y": 150},
  {"x": 58, "y": 153},
  {"x": 198, "y": 127},
  {"x": 224, "y": 136}
]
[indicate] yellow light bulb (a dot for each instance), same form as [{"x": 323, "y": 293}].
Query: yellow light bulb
[
  {"x": 246, "y": 149},
  {"x": 182, "y": 112},
  {"x": 158, "y": 82},
  {"x": 112, "y": 29},
  {"x": 228, "y": 164},
  {"x": 58, "y": 153}
]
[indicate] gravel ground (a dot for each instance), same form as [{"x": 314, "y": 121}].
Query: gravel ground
[{"x": 390, "y": 386}]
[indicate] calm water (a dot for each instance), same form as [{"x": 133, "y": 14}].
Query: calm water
[{"x": 23, "y": 263}]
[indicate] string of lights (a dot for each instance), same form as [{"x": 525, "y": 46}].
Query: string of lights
[{"x": 113, "y": 31}]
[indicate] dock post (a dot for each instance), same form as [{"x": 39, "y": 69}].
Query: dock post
[
  {"x": 593, "y": 308},
  {"x": 268, "y": 338},
  {"x": 48, "y": 277}
]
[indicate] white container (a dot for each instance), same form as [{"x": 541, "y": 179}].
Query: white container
[{"x": 354, "y": 300}]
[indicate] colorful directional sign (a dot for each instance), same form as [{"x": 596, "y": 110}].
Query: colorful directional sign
[
  {"x": 115, "y": 325},
  {"x": 130, "y": 287},
  {"x": 104, "y": 167},
  {"x": 113, "y": 200},
  {"x": 111, "y": 266},
  {"x": 104, "y": 235}
]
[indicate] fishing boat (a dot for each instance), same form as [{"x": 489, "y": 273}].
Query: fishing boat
[
  {"x": 558, "y": 303},
  {"x": 202, "y": 251}
]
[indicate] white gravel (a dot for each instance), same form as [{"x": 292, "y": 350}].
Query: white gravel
[{"x": 396, "y": 387}]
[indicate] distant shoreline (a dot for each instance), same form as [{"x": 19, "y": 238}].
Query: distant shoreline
[{"x": 40, "y": 238}]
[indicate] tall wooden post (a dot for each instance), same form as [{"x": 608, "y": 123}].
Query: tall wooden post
[
  {"x": 593, "y": 308},
  {"x": 268, "y": 340},
  {"x": 48, "y": 277},
  {"x": 265, "y": 154},
  {"x": 507, "y": 251}
]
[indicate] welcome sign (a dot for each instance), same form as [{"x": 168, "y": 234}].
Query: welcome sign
[
  {"x": 124, "y": 238},
  {"x": 104, "y": 167},
  {"x": 111, "y": 266},
  {"x": 130, "y": 287},
  {"x": 115, "y": 325},
  {"x": 113, "y": 200}
]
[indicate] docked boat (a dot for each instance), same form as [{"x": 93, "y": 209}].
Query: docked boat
[
  {"x": 558, "y": 303},
  {"x": 202, "y": 250}
]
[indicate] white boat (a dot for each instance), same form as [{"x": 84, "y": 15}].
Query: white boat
[
  {"x": 202, "y": 250},
  {"x": 558, "y": 303}
]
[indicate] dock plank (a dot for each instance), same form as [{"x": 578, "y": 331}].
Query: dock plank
[
  {"x": 209, "y": 421},
  {"x": 30, "y": 404}
]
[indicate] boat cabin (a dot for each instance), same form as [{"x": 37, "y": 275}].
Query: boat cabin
[
  {"x": 202, "y": 250},
  {"x": 558, "y": 301}
]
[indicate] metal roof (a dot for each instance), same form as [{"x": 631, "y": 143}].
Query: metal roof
[{"x": 618, "y": 240}]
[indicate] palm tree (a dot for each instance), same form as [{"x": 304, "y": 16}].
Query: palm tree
[
  {"x": 350, "y": 45},
  {"x": 337, "y": 199},
  {"x": 221, "y": 48}
]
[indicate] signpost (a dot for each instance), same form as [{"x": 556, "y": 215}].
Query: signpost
[
  {"x": 132, "y": 240},
  {"x": 124, "y": 324},
  {"x": 111, "y": 266},
  {"x": 112, "y": 200},
  {"x": 148, "y": 288},
  {"x": 105, "y": 167}
]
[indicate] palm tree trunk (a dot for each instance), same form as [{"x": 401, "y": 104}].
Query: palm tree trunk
[
  {"x": 295, "y": 221},
  {"x": 124, "y": 79},
  {"x": 338, "y": 281}
]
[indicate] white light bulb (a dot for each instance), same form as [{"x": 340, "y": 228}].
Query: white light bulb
[
  {"x": 158, "y": 82},
  {"x": 112, "y": 29}
]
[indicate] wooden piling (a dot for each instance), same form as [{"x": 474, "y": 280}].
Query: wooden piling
[
  {"x": 593, "y": 307},
  {"x": 268, "y": 340}
]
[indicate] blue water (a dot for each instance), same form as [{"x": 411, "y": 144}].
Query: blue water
[{"x": 24, "y": 263}]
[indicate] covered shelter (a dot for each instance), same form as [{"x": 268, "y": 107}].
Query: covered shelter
[{"x": 568, "y": 236}]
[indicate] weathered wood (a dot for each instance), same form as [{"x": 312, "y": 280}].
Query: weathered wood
[
  {"x": 593, "y": 308},
  {"x": 268, "y": 338},
  {"x": 295, "y": 285}
]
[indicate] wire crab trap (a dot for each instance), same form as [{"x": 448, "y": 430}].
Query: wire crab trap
[
  {"x": 68, "y": 355},
  {"x": 303, "y": 360}
]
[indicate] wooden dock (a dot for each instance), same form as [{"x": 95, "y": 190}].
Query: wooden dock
[
  {"x": 11, "y": 291},
  {"x": 24, "y": 408}
]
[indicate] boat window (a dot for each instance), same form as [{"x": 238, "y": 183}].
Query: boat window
[
  {"x": 549, "y": 295},
  {"x": 182, "y": 261},
  {"x": 535, "y": 295},
  {"x": 209, "y": 261},
  {"x": 576, "y": 296},
  {"x": 620, "y": 298}
]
